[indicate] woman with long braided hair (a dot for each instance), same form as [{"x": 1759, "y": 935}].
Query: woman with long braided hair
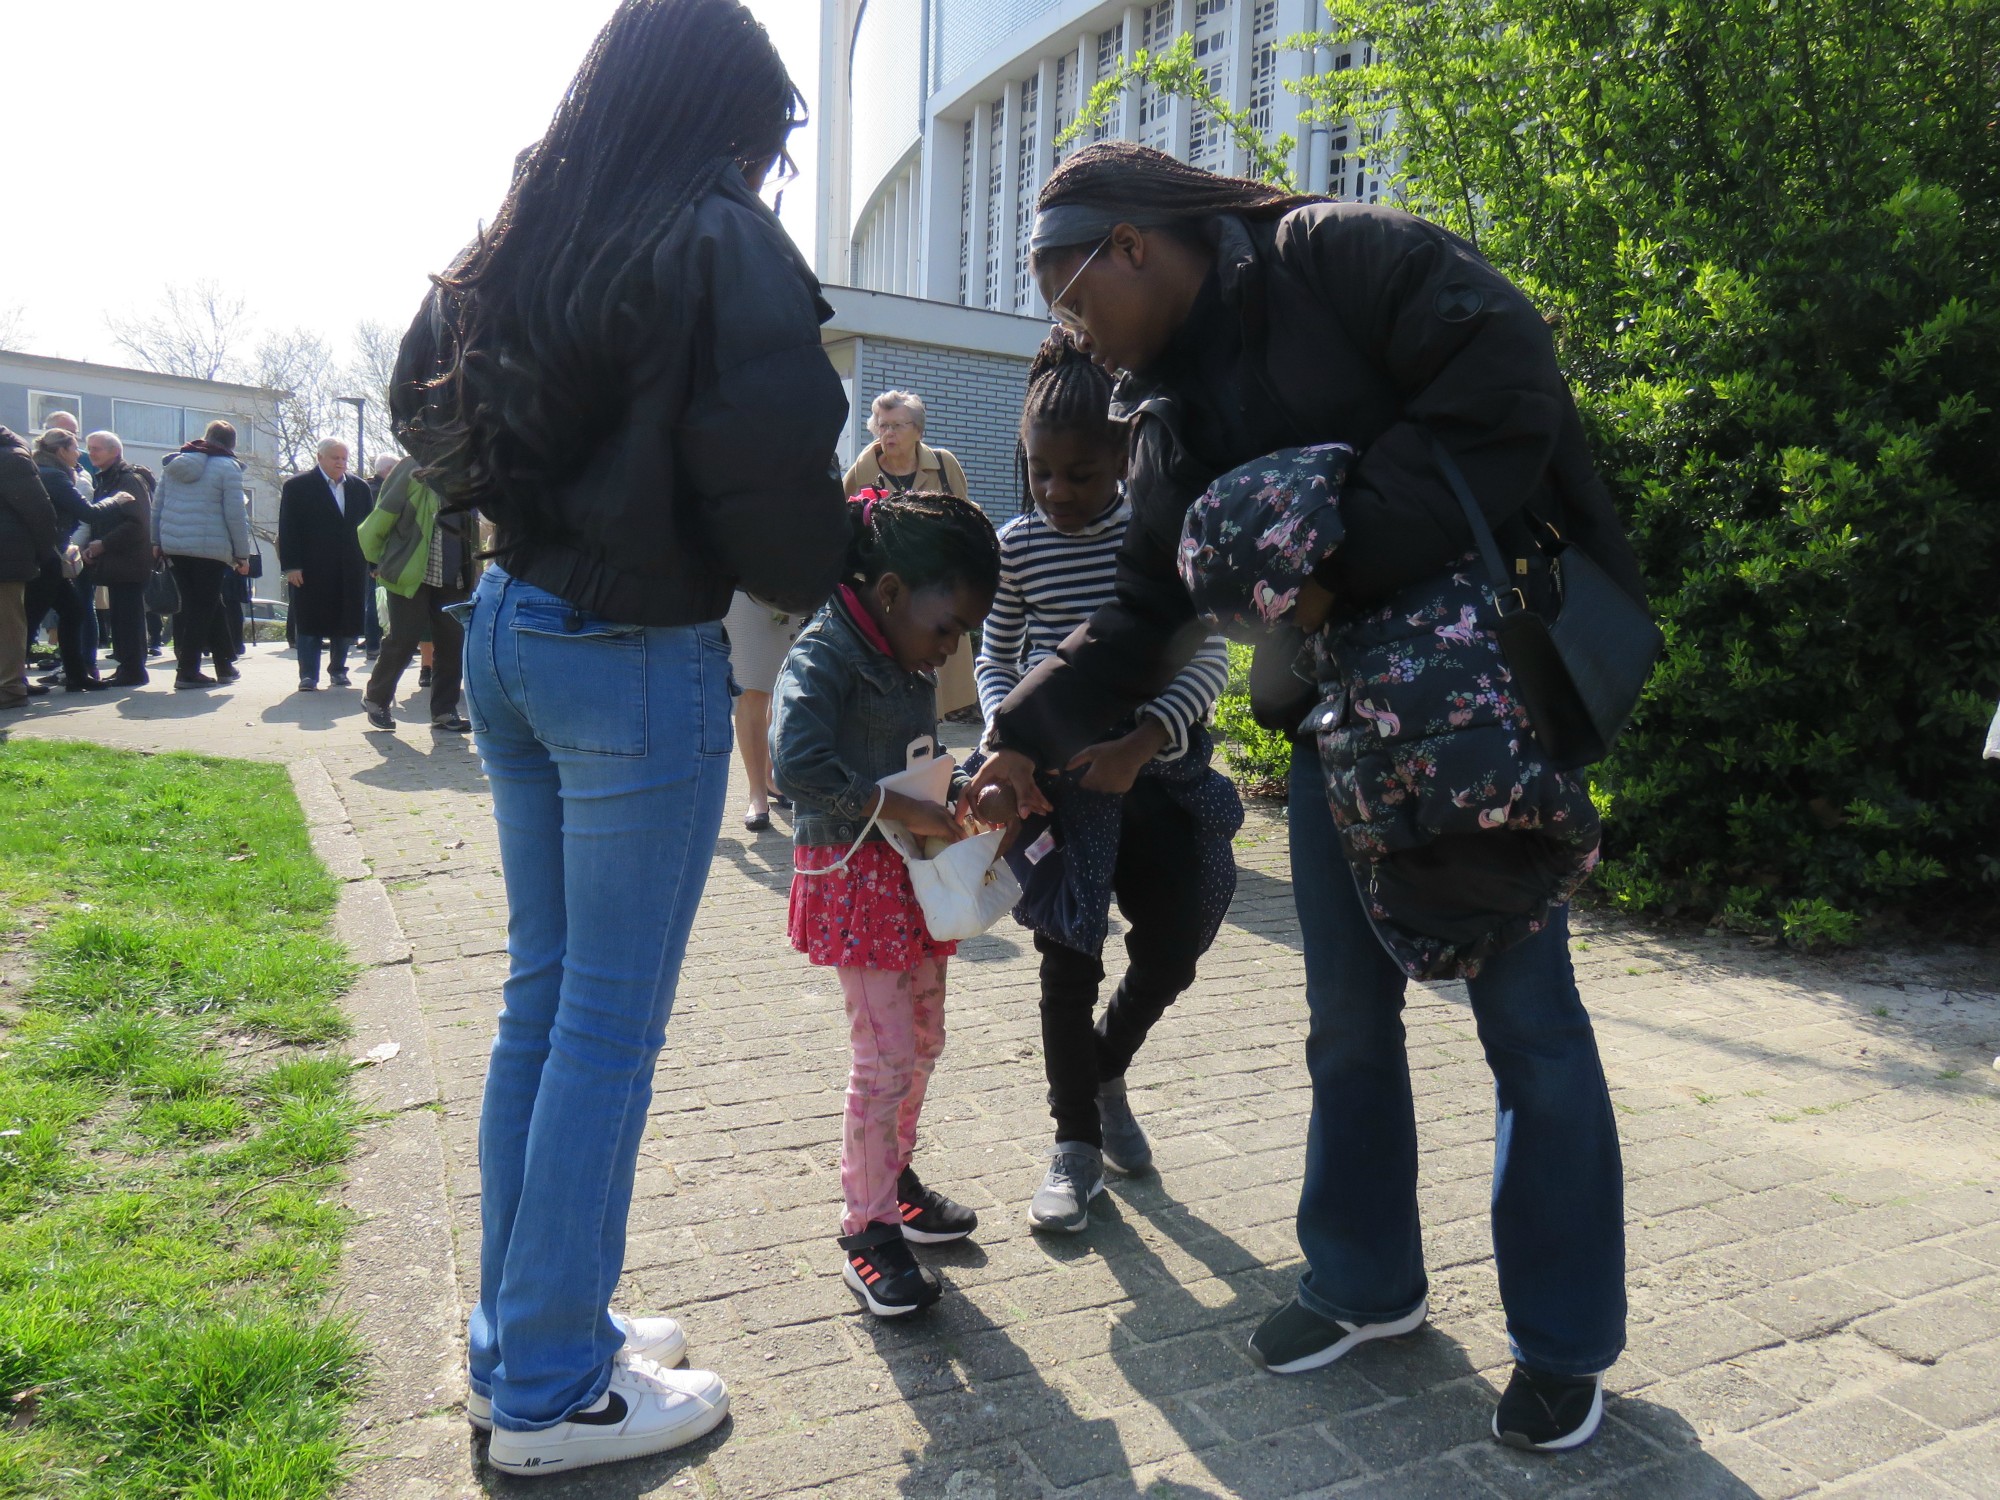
[
  {"x": 624, "y": 375},
  {"x": 1248, "y": 320}
]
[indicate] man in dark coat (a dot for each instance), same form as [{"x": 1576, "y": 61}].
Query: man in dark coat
[
  {"x": 119, "y": 554},
  {"x": 318, "y": 512},
  {"x": 27, "y": 530}
]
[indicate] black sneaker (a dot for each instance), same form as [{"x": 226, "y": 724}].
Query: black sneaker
[
  {"x": 1295, "y": 1339},
  {"x": 1546, "y": 1413},
  {"x": 930, "y": 1218},
  {"x": 227, "y": 674},
  {"x": 338, "y": 679},
  {"x": 378, "y": 714},
  {"x": 882, "y": 1269},
  {"x": 423, "y": 676},
  {"x": 189, "y": 684}
]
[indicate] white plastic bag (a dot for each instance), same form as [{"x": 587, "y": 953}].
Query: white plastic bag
[
  {"x": 1993, "y": 753},
  {"x": 966, "y": 887}
]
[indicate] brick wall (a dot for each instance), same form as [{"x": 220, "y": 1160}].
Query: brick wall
[{"x": 973, "y": 407}]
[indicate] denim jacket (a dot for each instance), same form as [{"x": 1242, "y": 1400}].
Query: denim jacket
[{"x": 843, "y": 716}]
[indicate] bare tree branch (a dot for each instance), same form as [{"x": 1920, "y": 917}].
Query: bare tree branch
[
  {"x": 368, "y": 374},
  {"x": 196, "y": 332},
  {"x": 298, "y": 362},
  {"x": 13, "y": 326}
]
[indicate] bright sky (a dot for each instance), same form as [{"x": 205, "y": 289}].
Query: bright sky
[{"x": 362, "y": 142}]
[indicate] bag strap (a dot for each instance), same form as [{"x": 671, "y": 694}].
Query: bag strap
[
  {"x": 1482, "y": 531},
  {"x": 881, "y": 798}
]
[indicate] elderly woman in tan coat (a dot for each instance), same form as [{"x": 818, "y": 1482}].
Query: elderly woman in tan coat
[{"x": 899, "y": 459}]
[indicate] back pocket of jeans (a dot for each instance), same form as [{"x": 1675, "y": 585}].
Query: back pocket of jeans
[{"x": 583, "y": 681}]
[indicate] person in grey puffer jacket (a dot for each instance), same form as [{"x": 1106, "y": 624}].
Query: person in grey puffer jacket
[{"x": 201, "y": 525}]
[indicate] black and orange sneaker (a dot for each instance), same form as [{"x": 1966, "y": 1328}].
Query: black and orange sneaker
[
  {"x": 930, "y": 1218},
  {"x": 882, "y": 1268}
]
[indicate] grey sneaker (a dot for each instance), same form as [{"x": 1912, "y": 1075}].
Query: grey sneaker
[
  {"x": 1076, "y": 1175},
  {"x": 1125, "y": 1145},
  {"x": 378, "y": 714}
]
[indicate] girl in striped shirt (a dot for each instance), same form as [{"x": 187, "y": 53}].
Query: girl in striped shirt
[{"x": 1140, "y": 815}]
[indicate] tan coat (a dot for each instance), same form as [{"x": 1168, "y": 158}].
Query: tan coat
[{"x": 936, "y": 470}]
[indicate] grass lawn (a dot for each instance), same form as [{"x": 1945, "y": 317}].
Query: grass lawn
[{"x": 171, "y": 1132}]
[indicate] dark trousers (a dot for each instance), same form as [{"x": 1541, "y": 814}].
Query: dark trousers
[
  {"x": 371, "y": 620},
  {"x": 409, "y": 620},
  {"x": 1161, "y": 902},
  {"x": 200, "y": 628},
  {"x": 156, "y": 631},
  {"x": 51, "y": 592},
  {"x": 1558, "y": 1187},
  {"x": 128, "y": 629}
]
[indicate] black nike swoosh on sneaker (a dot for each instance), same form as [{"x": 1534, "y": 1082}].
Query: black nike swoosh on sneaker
[{"x": 612, "y": 1414}]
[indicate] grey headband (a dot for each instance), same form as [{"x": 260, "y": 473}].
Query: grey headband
[{"x": 1080, "y": 223}]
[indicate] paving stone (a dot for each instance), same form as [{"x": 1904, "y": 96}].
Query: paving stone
[
  {"x": 1834, "y": 1441},
  {"x": 1958, "y": 1391},
  {"x": 1810, "y": 1308},
  {"x": 1269, "y": 1468},
  {"x": 1402, "y": 1432},
  {"x": 1926, "y": 1331},
  {"x": 1703, "y": 1336},
  {"x": 1721, "y": 1398},
  {"x": 1971, "y": 1463}
]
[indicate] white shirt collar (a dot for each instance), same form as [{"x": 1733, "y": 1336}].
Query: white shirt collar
[{"x": 331, "y": 483}]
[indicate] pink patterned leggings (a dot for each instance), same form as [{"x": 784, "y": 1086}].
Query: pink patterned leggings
[{"x": 896, "y": 1031}]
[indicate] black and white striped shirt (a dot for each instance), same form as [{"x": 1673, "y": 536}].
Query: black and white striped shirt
[{"x": 1050, "y": 584}]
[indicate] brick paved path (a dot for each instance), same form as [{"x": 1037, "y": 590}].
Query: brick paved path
[{"x": 1811, "y": 1152}]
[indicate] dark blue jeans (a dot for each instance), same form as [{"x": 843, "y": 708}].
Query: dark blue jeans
[{"x": 1558, "y": 1185}]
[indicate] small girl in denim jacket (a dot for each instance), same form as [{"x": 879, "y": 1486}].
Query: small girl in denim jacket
[{"x": 858, "y": 686}]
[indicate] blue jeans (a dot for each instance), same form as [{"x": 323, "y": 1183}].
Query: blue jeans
[
  {"x": 1558, "y": 1185},
  {"x": 606, "y": 749},
  {"x": 310, "y": 647}
]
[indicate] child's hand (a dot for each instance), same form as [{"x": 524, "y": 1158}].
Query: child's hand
[
  {"x": 1113, "y": 765},
  {"x": 927, "y": 820},
  {"x": 996, "y": 805},
  {"x": 1012, "y": 769}
]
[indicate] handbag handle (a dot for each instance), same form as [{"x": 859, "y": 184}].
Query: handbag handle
[
  {"x": 1482, "y": 530},
  {"x": 867, "y": 828}
]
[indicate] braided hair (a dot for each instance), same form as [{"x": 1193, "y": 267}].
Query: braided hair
[
  {"x": 927, "y": 538},
  {"x": 532, "y": 335},
  {"x": 1125, "y": 177},
  {"x": 1067, "y": 391}
]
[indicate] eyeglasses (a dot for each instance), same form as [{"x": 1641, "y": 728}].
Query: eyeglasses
[{"x": 1068, "y": 317}]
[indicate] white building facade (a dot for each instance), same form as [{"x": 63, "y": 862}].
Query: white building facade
[{"x": 939, "y": 121}]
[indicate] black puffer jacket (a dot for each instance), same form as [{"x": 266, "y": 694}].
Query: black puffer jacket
[
  {"x": 1344, "y": 323},
  {"x": 720, "y": 474},
  {"x": 27, "y": 519}
]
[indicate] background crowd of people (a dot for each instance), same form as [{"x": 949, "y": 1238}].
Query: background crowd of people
[{"x": 103, "y": 556}]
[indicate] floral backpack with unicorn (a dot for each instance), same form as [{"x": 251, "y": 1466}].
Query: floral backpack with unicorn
[{"x": 1461, "y": 837}]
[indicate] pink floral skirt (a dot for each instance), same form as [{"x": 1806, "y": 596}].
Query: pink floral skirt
[{"x": 863, "y": 917}]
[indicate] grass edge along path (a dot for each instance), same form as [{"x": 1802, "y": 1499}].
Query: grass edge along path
[{"x": 172, "y": 1132}]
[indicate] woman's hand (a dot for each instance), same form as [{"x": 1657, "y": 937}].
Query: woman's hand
[
  {"x": 1113, "y": 765},
  {"x": 1012, "y": 770},
  {"x": 295, "y": 578},
  {"x": 1315, "y": 604},
  {"x": 930, "y": 820}
]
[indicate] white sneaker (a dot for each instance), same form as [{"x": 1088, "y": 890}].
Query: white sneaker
[
  {"x": 644, "y": 1410},
  {"x": 657, "y": 1340}
]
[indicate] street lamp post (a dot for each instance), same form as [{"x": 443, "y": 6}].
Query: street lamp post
[{"x": 360, "y": 405}]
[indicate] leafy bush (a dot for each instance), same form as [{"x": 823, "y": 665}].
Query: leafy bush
[
  {"x": 1766, "y": 233},
  {"x": 1258, "y": 759}
]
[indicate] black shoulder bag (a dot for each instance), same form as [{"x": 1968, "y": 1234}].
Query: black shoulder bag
[{"x": 1578, "y": 675}]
